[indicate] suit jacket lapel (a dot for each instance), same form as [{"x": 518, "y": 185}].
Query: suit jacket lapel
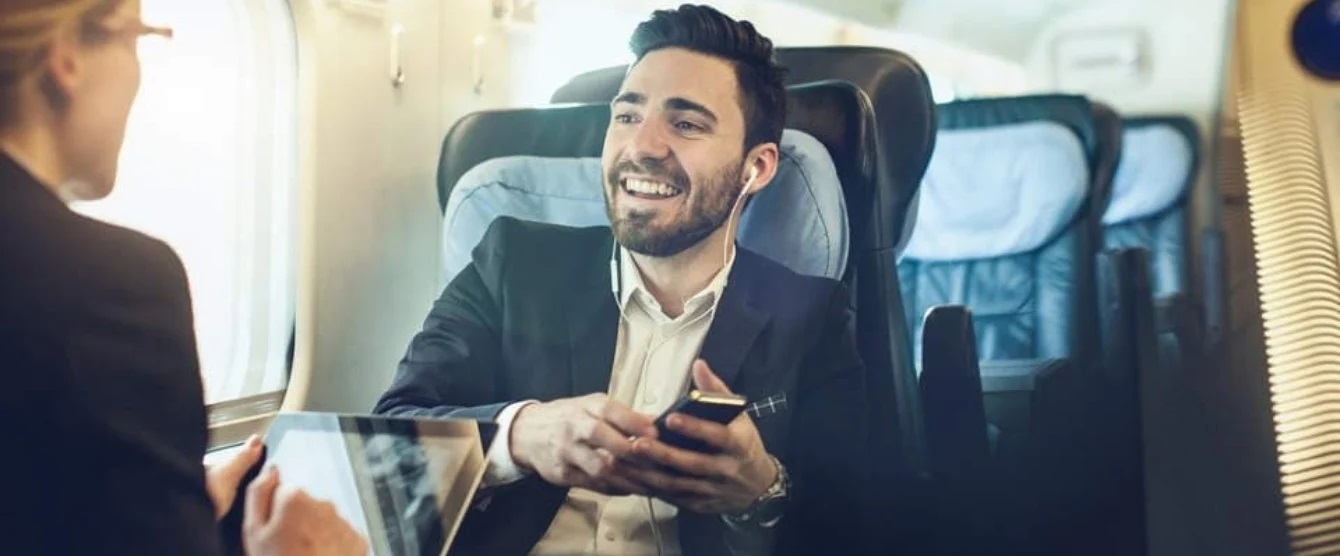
[
  {"x": 736, "y": 325},
  {"x": 593, "y": 327}
]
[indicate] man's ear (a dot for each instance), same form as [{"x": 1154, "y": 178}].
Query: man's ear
[{"x": 762, "y": 166}]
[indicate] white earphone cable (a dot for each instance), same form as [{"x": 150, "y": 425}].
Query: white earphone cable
[{"x": 616, "y": 279}]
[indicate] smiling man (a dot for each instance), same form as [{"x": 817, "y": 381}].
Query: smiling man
[{"x": 574, "y": 340}]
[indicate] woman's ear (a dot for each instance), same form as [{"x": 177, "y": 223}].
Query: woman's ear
[{"x": 63, "y": 68}]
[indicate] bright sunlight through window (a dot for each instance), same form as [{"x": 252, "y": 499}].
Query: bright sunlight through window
[
  {"x": 209, "y": 166},
  {"x": 573, "y": 36}
]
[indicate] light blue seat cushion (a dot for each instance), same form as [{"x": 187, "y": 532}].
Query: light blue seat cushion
[{"x": 1148, "y": 207}]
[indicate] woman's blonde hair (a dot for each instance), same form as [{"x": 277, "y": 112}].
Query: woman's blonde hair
[{"x": 27, "y": 28}]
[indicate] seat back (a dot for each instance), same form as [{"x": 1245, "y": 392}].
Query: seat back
[
  {"x": 1000, "y": 231},
  {"x": 1149, "y": 198},
  {"x": 1067, "y": 325}
]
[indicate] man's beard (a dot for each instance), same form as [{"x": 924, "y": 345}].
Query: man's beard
[{"x": 695, "y": 220}]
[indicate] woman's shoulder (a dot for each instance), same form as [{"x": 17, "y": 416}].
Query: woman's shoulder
[{"x": 58, "y": 244}]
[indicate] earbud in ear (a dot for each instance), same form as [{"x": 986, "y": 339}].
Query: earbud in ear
[{"x": 753, "y": 175}]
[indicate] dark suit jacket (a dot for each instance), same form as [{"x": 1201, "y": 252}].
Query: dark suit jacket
[
  {"x": 533, "y": 317},
  {"x": 102, "y": 406}
]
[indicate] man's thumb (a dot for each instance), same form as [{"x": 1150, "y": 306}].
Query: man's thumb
[{"x": 707, "y": 381}]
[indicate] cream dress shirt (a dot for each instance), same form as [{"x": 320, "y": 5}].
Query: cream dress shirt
[{"x": 653, "y": 356}]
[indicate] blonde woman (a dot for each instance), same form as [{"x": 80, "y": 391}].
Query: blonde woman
[{"x": 101, "y": 404}]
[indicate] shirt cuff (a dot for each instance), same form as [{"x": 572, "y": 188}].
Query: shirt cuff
[{"x": 501, "y": 469}]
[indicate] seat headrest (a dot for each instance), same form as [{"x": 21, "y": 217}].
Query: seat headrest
[
  {"x": 839, "y": 116},
  {"x": 1097, "y": 126},
  {"x": 1072, "y": 111},
  {"x": 905, "y": 114},
  {"x": 1158, "y": 165},
  {"x": 561, "y": 132},
  {"x": 599, "y": 85},
  {"x": 900, "y": 97},
  {"x": 997, "y": 191},
  {"x": 799, "y": 220}
]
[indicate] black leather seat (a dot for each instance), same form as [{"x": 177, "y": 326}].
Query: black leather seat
[
  {"x": 1159, "y": 163},
  {"x": 1025, "y": 266},
  {"x": 1150, "y": 211},
  {"x": 1046, "y": 146}
]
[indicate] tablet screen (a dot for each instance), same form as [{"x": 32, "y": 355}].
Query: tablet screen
[{"x": 404, "y": 484}]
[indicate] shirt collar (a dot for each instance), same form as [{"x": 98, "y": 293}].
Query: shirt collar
[{"x": 632, "y": 287}]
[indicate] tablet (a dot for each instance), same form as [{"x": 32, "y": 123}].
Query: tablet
[{"x": 404, "y": 483}]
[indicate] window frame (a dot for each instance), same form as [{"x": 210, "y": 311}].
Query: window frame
[{"x": 266, "y": 23}]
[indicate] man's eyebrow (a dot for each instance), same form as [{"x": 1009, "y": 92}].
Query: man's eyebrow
[
  {"x": 630, "y": 98},
  {"x": 685, "y": 105}
]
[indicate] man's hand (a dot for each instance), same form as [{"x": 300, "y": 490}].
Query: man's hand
[
  {"x": 287, "y": 521},
  {"x": 723, "y": 483},
  {"x": 576, "y": 442},
  {"x": 222, "y": 479}
]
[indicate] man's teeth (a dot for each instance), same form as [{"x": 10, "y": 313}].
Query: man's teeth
[{"x": 645, "y": 187}]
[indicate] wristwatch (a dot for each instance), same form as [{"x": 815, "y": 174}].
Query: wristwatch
[{"x": 768, "y": 508}]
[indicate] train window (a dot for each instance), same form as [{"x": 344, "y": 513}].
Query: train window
[{"x": 209, "y": 165}]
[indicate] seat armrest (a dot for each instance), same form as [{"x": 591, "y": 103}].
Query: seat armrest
[
  {"x": 1028, "y": 399},
  {"x": 1016, "y": 375},
  {"x": 951, "y": 392},
  {"x": 1180, "y": 325},
  {"x": 1172, "y": 310}
]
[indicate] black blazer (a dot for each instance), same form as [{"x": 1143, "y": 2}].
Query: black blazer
[
  {"x": 101, "y": 406},
  {"x": 533, "y": 317}
]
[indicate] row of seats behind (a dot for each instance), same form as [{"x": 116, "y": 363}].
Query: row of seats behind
[{"x": 1012, "y": 262}]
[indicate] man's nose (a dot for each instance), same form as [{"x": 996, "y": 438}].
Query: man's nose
[{"x": 649, "y": 142}]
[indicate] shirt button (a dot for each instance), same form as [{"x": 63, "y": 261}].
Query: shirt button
[
  {"x": 651, "y": 400},
  {"x": 609, "y": 536}
]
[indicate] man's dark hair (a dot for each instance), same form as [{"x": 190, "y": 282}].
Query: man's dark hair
[{"x": 705, "y": 30}]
